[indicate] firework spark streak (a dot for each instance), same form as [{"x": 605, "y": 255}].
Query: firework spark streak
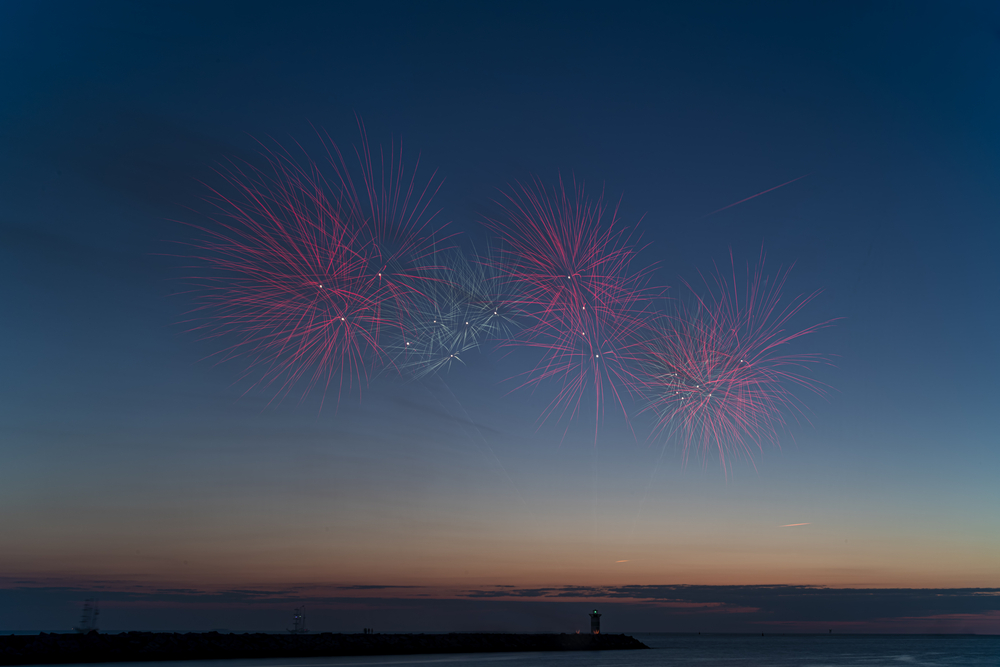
[
  {"x": 716, "y": 376},
  {"x": 718, "y": 210},
  {"x": 302, "y": 274},
  {"x": 573, "y": 265}
]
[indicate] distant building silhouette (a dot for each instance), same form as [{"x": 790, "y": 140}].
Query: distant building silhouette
[
  {"x": 88, "y": 617},
  {"x": 595, "y": 622}
]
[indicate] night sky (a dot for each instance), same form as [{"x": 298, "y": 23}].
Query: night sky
[{"x": 139, "y": 471}]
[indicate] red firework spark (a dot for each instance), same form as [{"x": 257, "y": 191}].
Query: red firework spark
[
  {"x": 715, "y": 371},
  {"x": 573, "y": 269},
  {"x": 301, "y": 274}
]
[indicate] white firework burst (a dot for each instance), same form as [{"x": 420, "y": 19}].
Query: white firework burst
[{"x": 463, "y": 305}]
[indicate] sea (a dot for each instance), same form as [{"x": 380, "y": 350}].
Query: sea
[{"x": 671, "y": 650}]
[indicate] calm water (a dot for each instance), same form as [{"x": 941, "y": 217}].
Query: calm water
[{"x": 685, "y": 651}]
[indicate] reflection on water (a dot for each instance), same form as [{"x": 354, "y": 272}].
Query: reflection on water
[{"x": 692, "y": 651}]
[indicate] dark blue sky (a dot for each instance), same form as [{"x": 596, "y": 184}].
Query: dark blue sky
[{"x": 128, "y": 457}]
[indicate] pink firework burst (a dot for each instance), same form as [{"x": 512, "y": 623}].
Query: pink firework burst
[
  {"x": 301, "y": 273},
  {"x": 572, "y": 264},
  {"x": 716, "y": 371}
]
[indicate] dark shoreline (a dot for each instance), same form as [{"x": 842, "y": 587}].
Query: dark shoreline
[{"x": 47, "y": 648}]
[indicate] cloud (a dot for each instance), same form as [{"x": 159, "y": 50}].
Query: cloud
[
  {"x": 518, "y": 593},
  {"x": 442, "y": 415},
  {"x": 370, "y": 587},
  {"x": 122, "y": 149},
  {"x": 801, "y": 603}
]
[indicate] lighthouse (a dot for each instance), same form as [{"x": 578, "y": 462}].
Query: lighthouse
[{"x": 595, "y": 622}]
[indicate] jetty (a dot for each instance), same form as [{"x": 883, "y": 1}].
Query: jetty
[{"x": 53, "y": 648}]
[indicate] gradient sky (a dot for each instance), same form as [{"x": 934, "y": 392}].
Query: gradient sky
[{"x": 139, "y": 472}]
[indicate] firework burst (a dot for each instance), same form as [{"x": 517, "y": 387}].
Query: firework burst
[
  {"x": 573, "y": 266},
  {"x": 465, "y": 305},
  {"x": 716, "y": 373},
  {"x": 302, "y": 273}
]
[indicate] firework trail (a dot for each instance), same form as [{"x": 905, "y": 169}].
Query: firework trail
[
  {"x": 573, "y": 265},
  {"x": 301, "y": 273},
  {"x": 716, "y": 375},
  {"x": 728, "y": 206},
  {"x": 462, "y": 305}
]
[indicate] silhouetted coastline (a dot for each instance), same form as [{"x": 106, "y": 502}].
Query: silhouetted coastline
[{"x": 48, "y": 648}]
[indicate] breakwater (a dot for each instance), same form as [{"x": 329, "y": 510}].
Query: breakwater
[{"x": 48, "y": 648}]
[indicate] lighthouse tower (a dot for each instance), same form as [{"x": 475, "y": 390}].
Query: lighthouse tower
[{"x": 595, "y": 622}]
